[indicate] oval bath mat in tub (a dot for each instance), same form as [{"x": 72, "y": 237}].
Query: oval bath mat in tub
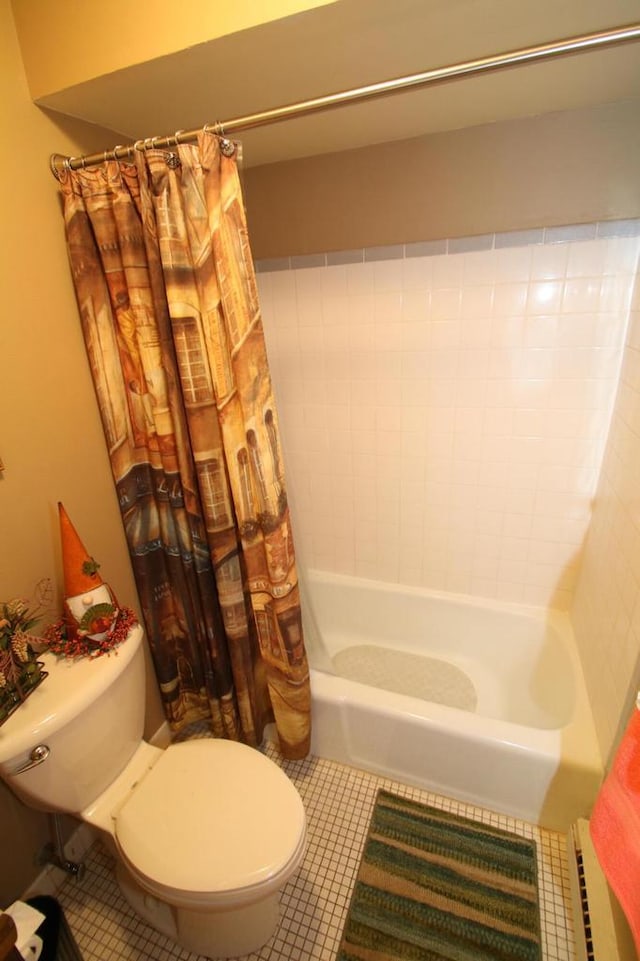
[{"x": 428, "y": 678}]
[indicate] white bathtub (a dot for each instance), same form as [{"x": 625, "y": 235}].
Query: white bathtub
[{"x": 524, "y": 746}]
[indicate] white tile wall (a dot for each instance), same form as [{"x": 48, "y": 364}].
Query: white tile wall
[
  {"x": 444, "y": 417},
  {"x": 606, "y": 610}
]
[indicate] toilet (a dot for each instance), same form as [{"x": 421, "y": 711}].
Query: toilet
[{"x": 205, "y": 832}]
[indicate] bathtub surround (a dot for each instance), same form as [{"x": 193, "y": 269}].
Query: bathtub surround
[
  {"x": 445, "y": 407},
  {"x": 606, "y": 609}
]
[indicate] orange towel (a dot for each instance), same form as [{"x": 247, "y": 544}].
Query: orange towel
[{"x": 615, "y": 826}]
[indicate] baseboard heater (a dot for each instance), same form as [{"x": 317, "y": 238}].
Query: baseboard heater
[{"x": 601, "y": 929}]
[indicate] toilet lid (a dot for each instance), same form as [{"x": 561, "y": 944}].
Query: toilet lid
[{"x": 210, "y": 816}]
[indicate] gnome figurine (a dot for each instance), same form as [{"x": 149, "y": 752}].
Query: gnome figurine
[{"x": 90, "y": 607}]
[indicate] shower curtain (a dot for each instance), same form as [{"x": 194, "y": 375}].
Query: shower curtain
[{"x": 167, "y": 296}]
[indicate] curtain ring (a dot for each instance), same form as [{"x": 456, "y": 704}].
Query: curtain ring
[
  {"x": 59, "y": 165},
  {"x": 227, "y": 147},
  {"x": 176, "y": 136}
]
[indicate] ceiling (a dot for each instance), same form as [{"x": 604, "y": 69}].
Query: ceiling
[{"x": 351, "y": 43}]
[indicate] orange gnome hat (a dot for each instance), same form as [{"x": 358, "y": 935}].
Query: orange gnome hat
[{"x": 80, "y": 570}]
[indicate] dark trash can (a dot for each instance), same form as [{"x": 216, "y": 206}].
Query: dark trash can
[{"x": 58, "y": 943}]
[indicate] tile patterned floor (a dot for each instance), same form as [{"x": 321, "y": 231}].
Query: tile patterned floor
[{"x": 338, "y": 802}]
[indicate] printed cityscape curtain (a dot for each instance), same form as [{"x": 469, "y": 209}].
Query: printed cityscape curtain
[{"x": 168, "y": 303}]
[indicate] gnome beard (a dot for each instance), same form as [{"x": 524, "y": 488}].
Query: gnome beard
[{"x": 92, "y": 614}]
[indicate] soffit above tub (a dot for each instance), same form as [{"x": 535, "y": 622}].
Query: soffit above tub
[
  {"x": 351, "y": 43},
  {"x": 66, "y": 42}
]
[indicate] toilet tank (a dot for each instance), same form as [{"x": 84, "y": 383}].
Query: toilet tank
[{"x": 89, "y": 713}]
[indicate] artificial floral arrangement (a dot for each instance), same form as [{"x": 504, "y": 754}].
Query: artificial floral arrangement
[
  {"x": 20, "y": 670},
  {"x": 60, "y": 640},
  {"x": 93, "y": 623}
]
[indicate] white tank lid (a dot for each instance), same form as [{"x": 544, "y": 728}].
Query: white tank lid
[
  {"x": 211, "y": 817},
  {"x": 71, "y": 686}
]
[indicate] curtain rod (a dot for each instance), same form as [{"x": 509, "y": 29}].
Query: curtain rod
[{"x": 545, "y": 51}]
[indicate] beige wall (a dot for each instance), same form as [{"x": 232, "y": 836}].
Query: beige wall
[
  {"x": 579, "y": 166},
  {"x": 147, "y": 33},
  {"x": 51, "y": 439}
]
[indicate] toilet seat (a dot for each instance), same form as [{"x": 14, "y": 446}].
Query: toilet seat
[{"x": 213, "y": 823}]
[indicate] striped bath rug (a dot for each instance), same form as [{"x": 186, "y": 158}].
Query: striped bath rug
[{"x": 433, "y": 886}]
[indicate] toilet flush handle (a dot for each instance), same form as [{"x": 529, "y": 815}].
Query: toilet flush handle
[{"x": 37, "y": 756}]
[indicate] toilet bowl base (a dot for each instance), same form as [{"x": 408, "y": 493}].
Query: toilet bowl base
[
  {"x": 214, "y": 934},
  {"x": 228, "y": 934},
  {"x": 159, "y": 915}
]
